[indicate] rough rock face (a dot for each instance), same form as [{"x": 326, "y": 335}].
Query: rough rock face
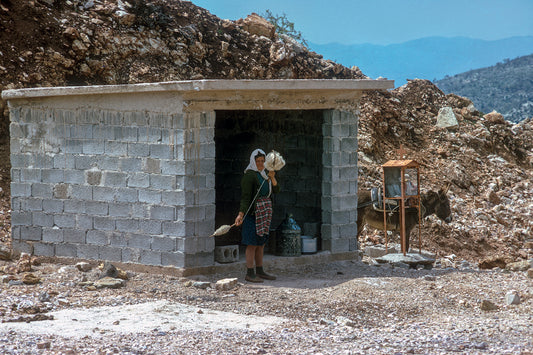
[{"x": 488, "y": 160}]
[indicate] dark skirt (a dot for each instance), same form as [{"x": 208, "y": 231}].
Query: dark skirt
[{"x": 249, "y": 234}]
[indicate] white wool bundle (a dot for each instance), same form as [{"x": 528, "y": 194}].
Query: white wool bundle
[{"x": 274, "y": 161}]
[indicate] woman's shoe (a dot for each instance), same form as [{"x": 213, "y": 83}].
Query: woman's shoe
[
  {"x": 266, "y": 276},
  {"x": 253, "y": 279}
]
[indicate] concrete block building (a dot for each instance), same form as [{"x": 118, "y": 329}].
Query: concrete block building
[{"x": 145, "y": 173}]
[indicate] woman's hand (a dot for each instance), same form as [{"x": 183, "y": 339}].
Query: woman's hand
[
  {"x": 272, "y": 177},
  {"x": 239, "y": 219}
]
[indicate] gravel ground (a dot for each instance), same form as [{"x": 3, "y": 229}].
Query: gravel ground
[{"x": 337, "y": 308}]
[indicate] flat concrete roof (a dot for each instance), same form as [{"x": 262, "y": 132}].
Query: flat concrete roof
[{"x": 190, "y": 86}]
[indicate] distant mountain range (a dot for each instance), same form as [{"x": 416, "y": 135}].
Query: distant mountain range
[
  {"x": 505, "y": 87},
  {"x": 430, "y": 58}
]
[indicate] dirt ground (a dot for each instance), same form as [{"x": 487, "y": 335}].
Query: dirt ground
[{"x": 339, "y": 307}]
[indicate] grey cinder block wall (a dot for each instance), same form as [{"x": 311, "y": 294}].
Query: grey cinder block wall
[
  {"x": 127, "y": 173},
  {"x": 113, "y": 185}
]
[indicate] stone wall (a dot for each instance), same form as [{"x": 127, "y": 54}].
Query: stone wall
[{"x": 127, "y": 186}]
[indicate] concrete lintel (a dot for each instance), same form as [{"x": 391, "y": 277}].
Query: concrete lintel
[{"x": 322, "y": 85}]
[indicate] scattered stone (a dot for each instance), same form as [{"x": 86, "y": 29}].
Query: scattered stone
[
  {"x": 512, "y": 297},
  {"x": 430, "y": 278},
  {"x": 487, "y": 305},
  {"x": 410, "y": 259},
  {"x": 201, "y": 284},
  {"x": 226, "y": 284},
  {"x": 44, "y": 297},
  {"x": 257, "y": 25},
  {"x": 84, "y": 266},
  {"x": 24, "y": 263},
  {"x": 376, "y": 251},
  {"x": 43, "y": 345},
  {"x": 492, "y": 262},
  {"x": 5, "y": 252},
  {"x": 109, "y": 270},
  {"x": 446, "y": 118},
  {"x": 518, "y": 266},
  {"x": 30, "y": 279},
  {"x": 109, "y": 282},
  {"x": 346, "y": 322},
  {"x": 530, "y": 273}
]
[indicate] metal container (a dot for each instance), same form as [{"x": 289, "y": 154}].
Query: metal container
[
  {"x": 308, "y": 244},
  {"x": 288, "y": 238}
]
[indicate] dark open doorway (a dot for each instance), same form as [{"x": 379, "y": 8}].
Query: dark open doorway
[{"x": 297, "y": 135}]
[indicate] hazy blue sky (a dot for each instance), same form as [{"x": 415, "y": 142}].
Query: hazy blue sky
[{"x": 389, "y": 21}]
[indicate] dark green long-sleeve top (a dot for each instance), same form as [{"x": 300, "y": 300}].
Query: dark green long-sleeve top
[{"x": 250, "y": 183}]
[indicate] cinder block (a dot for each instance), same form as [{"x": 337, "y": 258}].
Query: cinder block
[
  {"x": 138, "y": 149},
  {"x": 115, "y": 148},
  {"x": 30, "y": 175},
  {"x": 74, "y": 236},
  {"x": 117, "y": 239},
  {"x": 104, "y": 223},
  {"x": 73, "y": 146},
  {"x": 53, "y": 235},
  {"x": 164, "y": 213},
  {"x": 161, "y": 151},
  {"x": 106, "y": 162},
  {"x": 81, "y": 192},
  {"x": 329, "y": 231},
  {"x": 104, "y": 194},
  {"x": 83, "y": 162},
  {"x": 68, "y": 250},
  {"x": 173, "y": 167},
  {"x": 138, "y": 180},
  {"x": 172, "y": 258},
  {"x": 151, "y": 165},
  {"x": 97, "y": 237},
  {"x": 173, "y": 198},
  {"x": 44, "y": 249},
  {"x": 227, "y": 253},
  {"x": 20, "y": 189},
  {"x": 126, "y": 134},
  {"x": 94, "y": 208},
  {"x": 127, "y": 225},
  {"x": 163, "y": 182},
  {"x": 139, "y": 241},
  {"x": 15, "y": 175},
  {"x": 129, "y": 164},
  {"x": 65, "y": 220},
  {"x": 74, "y": 206},
  {"x": 119, "y": 209},
  {"x": 150, "y": 257},
  {"x": 41, "y": 190},
  {"x": 40, "y": 219},
  {"x": 140, "y": 210},
  {"x": 30, "y": 204},
  {"x": 339, "y": 245},
  {"x": 109, "y": 253},
  {"x": 130, "y": 195},
  {"x": 86, "y": 251},
  {"x": 176, "y": 229},
  {"x": 21, "y": 218},
  {"x": 198, "y": 259},
  {"x": 52, "y": 206},
  {"x": 74, "y": 176},
  {"x": 93, "y": 147},
  {"x": 30, "y": 233},
  {"x": 130, "y": 255},
  {"x": 84, "y": 222},
  {"x": 81, "y": 131},
  {"x": 61, "y": 191},
  {"x": 150, "y": 196},
  {"x": 20, "y": 246},
  {"x": 114, "y": 179},
  {"x": 164, "y": 243},
  {"x": 150, "y": 226}
]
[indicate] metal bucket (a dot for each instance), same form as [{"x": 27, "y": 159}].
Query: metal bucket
[{"x": 288, "y": 238}]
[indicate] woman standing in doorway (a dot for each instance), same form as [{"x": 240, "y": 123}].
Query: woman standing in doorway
[{"x": 255, "y": 214}]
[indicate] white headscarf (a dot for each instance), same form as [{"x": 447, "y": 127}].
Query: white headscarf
[{"x": 253, "y": 166}]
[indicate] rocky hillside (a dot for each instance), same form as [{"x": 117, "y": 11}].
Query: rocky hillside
[
  {"x": 487, "y": 159},
  {"x": 505, "y": 87}
]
